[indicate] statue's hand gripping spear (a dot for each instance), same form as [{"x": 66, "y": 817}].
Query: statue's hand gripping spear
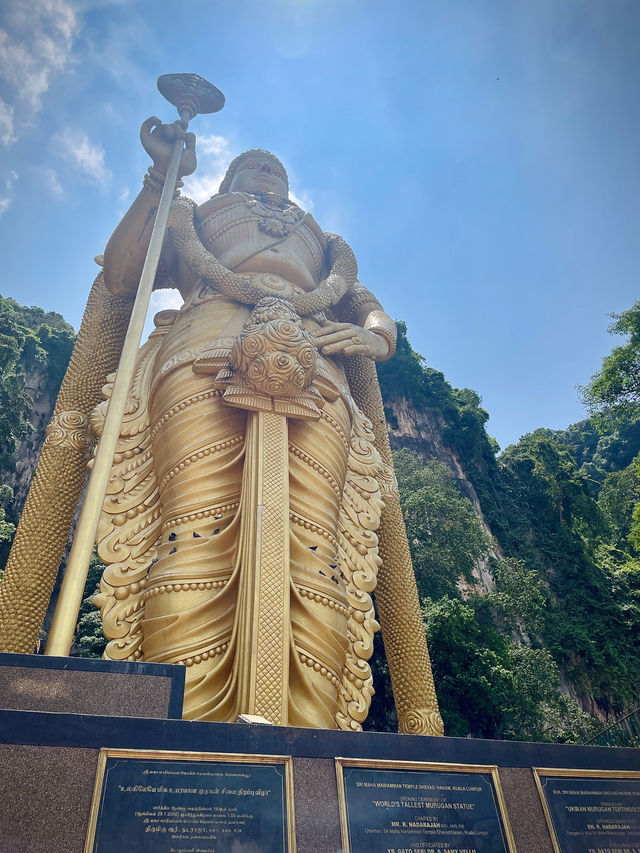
[{"x": 191, "y": 95}]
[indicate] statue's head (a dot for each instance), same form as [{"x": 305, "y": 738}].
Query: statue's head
[{"x": 256, "y": 171}]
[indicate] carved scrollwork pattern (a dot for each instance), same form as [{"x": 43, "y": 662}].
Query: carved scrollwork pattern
[
  {"x": 396, "y": 593},
  {"x": 277, "y": 217},
  {"x": 423, "y": 721},
  {"x": 70, "y": 429},
  {"x": 358, "y": 550},
  {"x": 130, "y": 523},
  {"x": 388, "y": 483}
]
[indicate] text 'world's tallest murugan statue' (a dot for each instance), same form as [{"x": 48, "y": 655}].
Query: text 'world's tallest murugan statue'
[{"x": 251, "y": 502}]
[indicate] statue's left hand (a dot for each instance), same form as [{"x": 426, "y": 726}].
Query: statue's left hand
[{"x": 349, "y": 339}]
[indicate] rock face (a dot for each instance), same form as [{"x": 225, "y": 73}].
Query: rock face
[
  {"x": 421, "y": 431},
  {"x": 38, "y": 388},
  {"x": 35, "y": 347}
]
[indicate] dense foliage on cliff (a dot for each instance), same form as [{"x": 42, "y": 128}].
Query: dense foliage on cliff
[
  {"x": 564, "y": 509},
  {"x": 35, "y": 347},
  {"x": 89, "y": 641}
]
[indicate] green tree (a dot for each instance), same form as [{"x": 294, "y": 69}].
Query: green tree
[
  {"x": 616, "y": 386},
  {"x": 35, "y": 347},
  {"x": 537, "y": 709},
  {"x": 32, "y": 342},
  {"x": 489, "y": 686},
  {"x": 470, "y": 667},
  {"x": 618, "y": 497},
  {"x": 6, "y": 528},
  {"x": 445, "y": 535},
  {"x": 520, "y": 596},
  {"x": 407, "y": 375}
]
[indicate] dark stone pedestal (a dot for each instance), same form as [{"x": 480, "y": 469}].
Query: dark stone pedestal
[{"x": 90, "y": 686}]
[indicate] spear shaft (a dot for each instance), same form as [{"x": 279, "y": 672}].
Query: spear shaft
[{"x": 75, "y": 576}]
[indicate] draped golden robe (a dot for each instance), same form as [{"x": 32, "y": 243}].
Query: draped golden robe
[{"x": 176, "y": 531}]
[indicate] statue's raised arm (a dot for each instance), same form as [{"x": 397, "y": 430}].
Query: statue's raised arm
[{"x": 126, "y": 250}]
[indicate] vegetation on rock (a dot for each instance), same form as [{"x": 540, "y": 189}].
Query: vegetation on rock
[
  {"x": 35, "y": 347},
  {"x": 564, "y": 509}
]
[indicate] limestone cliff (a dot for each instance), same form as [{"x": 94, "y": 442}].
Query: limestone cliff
[
  {"x": 538, "y": 500},
  {"x": 422, "y": 431},
  {"x": 35, "y": 347},
  {"x": 42, "y": 397}
]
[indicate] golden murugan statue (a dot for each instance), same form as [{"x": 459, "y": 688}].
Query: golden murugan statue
[{"x": 252, "y": 502}]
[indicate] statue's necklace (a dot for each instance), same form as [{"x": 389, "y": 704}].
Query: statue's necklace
[{"x": 277, "y": 216}]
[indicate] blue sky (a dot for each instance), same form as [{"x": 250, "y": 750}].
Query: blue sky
[{"x": 482, "y": 158}]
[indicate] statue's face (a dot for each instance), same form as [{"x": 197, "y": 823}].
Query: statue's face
[{"x": 257, "y": 175}]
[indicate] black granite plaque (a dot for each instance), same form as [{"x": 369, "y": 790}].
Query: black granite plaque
[
  {"x": 172, "y": 803},
  {"x": 431, "y": 810},
  {"x": 594, "y": 813}
]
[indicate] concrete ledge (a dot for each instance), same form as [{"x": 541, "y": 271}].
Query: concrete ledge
[{"x": 83, "y": 731}]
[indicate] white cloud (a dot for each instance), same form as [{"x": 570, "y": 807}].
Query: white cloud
[
  {"x": 124, "y": 199},
  {"x": 75, "y": 147},
  {"x": 6, "y": 123},
  {"x": 212, "y": 144},
  {"x": 36, "y": 39},
  {"x": 53, "y": 183},
  {"x": 303, "y": 200},
  {"x": 161, "y": 300},
  {"x": 301, "y": 197},
  {"x": 7, "y": 194}
]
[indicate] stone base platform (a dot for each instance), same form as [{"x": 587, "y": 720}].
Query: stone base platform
[{"x": 49, "y": 759}]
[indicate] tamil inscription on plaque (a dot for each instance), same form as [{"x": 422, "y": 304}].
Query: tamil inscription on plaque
[
  {"x": 591, "y": 811},
  {"x": 414, "y": 807},
  {"x": 186, "y": 802}
]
